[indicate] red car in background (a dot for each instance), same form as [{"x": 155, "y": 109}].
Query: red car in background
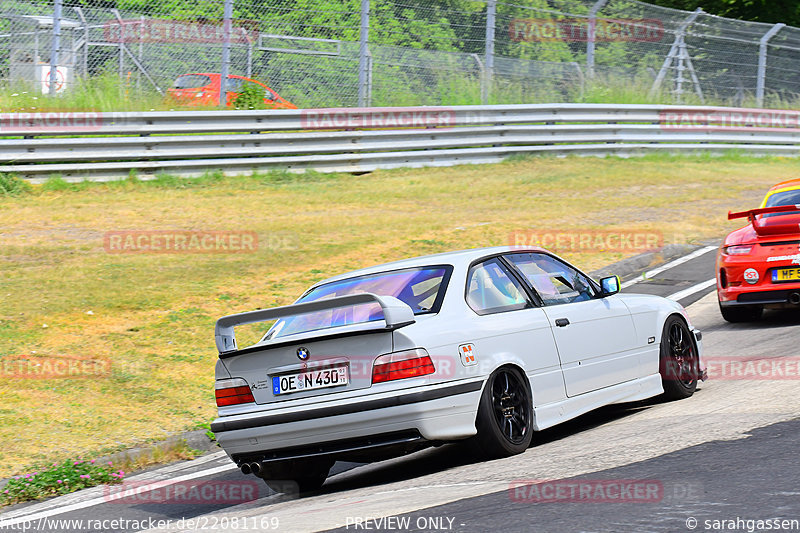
[
  {"x": 203, "y": 89},
  {"x": 759, "y": 265}
]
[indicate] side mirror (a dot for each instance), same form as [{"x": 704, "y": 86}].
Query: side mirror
[{"x": 609, "y": 286}]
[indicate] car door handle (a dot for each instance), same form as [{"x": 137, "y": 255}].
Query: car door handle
[{"x": 562, "y": 322}]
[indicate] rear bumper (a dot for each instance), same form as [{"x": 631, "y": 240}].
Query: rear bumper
[
  {"x": 759, "y": 297},
  {"x": 436, "y": 413}
]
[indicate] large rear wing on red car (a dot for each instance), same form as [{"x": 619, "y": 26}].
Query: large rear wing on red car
[
  {"x": 752, "y": 213},
  {"x": 769, "y": 226},
  {"x": 396, "y": 313}
]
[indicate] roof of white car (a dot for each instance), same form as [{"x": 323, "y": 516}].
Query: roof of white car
[{"x": 456, "y": 258}]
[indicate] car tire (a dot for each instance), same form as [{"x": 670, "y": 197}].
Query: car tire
[
  {"x": 296, "y": 477},
  {"x": 505, "y": 415},
  {"x": 679, "y": 365},
  {"x": 749, "y": 313}
]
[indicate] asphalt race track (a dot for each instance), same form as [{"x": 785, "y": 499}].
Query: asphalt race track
[{"x": 722, "y": 460}]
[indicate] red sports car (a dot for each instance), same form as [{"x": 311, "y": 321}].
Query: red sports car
[
  {"x": 203, "y": 89},
  {"x": 759, "y": 265}
]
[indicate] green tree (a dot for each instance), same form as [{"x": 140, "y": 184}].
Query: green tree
[{"x": 786, "y": 11}]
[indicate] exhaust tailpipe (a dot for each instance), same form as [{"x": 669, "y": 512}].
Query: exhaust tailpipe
[
  {"x": 245, "y": 468},
  {"x": 794, "y": 298},
  {"x": 256, "y": 468}
]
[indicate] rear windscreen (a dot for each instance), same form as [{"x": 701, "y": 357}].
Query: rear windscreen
[
  {"x": 420, "y": 288},
  {"x": 791, "y": 197},
  {"x": 191, "y": 81}
]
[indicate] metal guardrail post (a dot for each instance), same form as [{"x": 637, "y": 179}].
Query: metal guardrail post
[
  {"x": 488, "y": 70},
  {"x": 55, "y": 52},
  {"x": 364, "y": 62},
  {"x": 226, "y": 53},
  {"x": 592, "y": 34},
  {"x": 762, "y": 62}
]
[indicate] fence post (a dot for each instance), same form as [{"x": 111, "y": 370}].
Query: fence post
[
  {"x": 591, "y": 37},
  {"x": 55, "y": 52},
  {"x": 762, "y": 62},
  {"x": 121, "y": 43},
  {"x": 226, "y": 53},
  {"x": 85, "y": 59},
  {"x": 363, "y": 55},
  {"x": 141, "y": 53},
  {"x": 246, "y": 35},
  {"x": 488, "y": 70},
  {"x": 674, "y": 50}
]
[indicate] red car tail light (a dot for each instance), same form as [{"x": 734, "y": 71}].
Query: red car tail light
[
  {"x": 401, "y": 365},
  {"x": 232, "y": 392},
  {"x": 742, "y": 249}
]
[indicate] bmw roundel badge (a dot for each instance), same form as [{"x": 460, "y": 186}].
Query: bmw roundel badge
[{"x": 303, "y": 353}]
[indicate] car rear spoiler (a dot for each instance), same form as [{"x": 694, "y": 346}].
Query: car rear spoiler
[
  {"x": 752, "y": 213},
  {"x": 767, "y": 226},
  {"x": 396, "y": 313}
]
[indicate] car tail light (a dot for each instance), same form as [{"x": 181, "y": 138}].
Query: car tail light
[
  {"x": 232, "y": 392},
  {"x": 738, "y": 249},
  {"x": 401, "y": 365}
]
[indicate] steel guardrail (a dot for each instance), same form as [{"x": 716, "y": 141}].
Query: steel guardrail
[{"x": 108, "y": 146}]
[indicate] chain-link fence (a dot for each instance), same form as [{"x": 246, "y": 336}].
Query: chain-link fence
[{"x": 318, "y": 53}]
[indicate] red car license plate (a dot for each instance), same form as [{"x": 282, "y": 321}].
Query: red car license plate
[{"x": 786, "y": 274}]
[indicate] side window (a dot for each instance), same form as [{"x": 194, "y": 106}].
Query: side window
[
  {"x": 234, "y": 85},
  {"x": 491, "y": 289},
  {"x": 260, "y": 88},
  {"x": 555, "y": 281}
]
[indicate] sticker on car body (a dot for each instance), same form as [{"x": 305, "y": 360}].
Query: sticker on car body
[{"x": 467, "y": 354}]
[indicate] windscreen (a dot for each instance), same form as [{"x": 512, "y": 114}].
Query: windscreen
[
  {"x": 419, "y": 288},
  {"x": 191, "y": 81},
  {"x": 783, "y": 198}
]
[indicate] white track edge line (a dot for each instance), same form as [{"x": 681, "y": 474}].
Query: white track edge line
[
  {"x": 692, "y": 290},
  {"x": 681, "y": 260}
]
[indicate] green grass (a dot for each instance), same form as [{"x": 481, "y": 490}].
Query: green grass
[
  {"x": 59, "y": 478},
  {"x": 12, "y": 185},
  {"x": 100, "y": 93},
  {"x": 152, "y": 315},
  {"x": 109, "y": 93}
]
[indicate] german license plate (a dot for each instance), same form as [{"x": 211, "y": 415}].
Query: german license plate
[
  {"x": 786, "y": 274},
  {"x": 310, "y": 380}
]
